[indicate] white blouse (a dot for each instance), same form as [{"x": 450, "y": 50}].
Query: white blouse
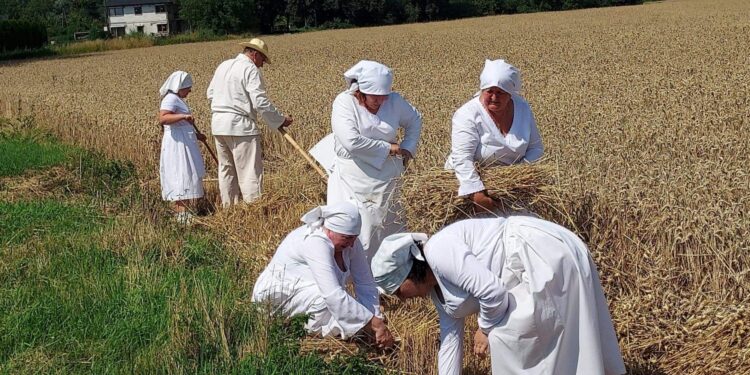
[
  {"x": 476, "y": 138},
  {"x": 467, "y": 258},
  {"x": 173, "y": 103},
  {"x": 367, "y": 137},
  {"x": 302, "y": 261}
]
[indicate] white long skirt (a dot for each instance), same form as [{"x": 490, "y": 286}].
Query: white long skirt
[
  {"x": 375, "y": 192},
  {"x": 181, "y": 167},
  {"x": 558, "y": 321}
]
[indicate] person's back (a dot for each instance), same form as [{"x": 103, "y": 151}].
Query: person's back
[{"x": 227, "y": 90}]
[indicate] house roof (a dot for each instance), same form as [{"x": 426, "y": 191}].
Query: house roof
[{"x": 119, "y": 3}]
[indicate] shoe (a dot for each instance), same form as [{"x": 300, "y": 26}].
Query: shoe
[{"x": 184, "y": 218}]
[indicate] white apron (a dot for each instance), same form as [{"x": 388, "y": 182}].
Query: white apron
[
  {"x": 374, "y": 192},
  {"x": 181, "y": 167}
]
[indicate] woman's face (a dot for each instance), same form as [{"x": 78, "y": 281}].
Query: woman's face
[
  {"x": 340, "y": 241},
  {"x": 373, "y": 102},
  {"x": 183, "y": 93},
  {"x": 494, "y": 99},
  {"x": 411, "y": 289}
]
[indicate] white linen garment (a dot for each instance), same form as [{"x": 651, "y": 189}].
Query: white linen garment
[
  {"x": 476, "y": 138},
  {"x": 363, "y": 172},
  {"x": 238, "y": 94},
  {"x": 303, "y": 278},
  {"x": 181, "y": 167},
  {"x": 537, "y": 293}
]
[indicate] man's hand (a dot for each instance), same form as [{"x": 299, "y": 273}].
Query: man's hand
[
  {"x": 481, "y": 343},
  {"x": 288, "y": 120},
  {"x": 483, "y": 200}
]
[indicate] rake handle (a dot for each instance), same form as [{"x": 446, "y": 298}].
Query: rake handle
[{"x": 303, "y": 153}]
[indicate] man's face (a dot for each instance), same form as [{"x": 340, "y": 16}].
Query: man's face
[{"x": 257, "y": 58}]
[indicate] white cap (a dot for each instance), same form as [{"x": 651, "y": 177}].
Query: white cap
[
  {"x": 393, "y": 261},
  {"x": 370, "y": 77},
  {"x": 498, "y": 73},
  {"x": 176, "y": 81},
  {"x": 341, "y": 218}
]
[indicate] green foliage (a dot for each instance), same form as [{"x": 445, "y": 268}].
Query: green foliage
[
  {"x": 22, "y": 150},
  {"x": 22, "y": 221},
  {"x": 283, "y": 355},
  {"x": 22, "y": 35}
]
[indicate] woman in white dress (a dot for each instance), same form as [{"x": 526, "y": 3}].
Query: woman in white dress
[
  {"x": 309, "y": 272},
  {"x": 369, "y": 160},
  {"x": 496, "y": 127},
  {"x": 541, "y": 308},
  {"x": 181, "y": 167}
]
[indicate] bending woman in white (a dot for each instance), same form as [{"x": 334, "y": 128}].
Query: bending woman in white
[
  {"x": 310, "y": 269},
  {"x": 365, "y": 121},
  {"x": 496, "y": 127},
  {"x": 181, "y": 167},
  {"x": 541, "y": 308}
]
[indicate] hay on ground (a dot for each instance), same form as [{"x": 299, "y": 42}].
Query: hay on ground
[{"x": 430, "y": 201}]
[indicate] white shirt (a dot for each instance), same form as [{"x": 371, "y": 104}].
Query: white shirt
[
  {"x": 238, "y": 93},
  {"x": 367, "y": 137},
  {"x": 476, "y": 138},
  {"x": 302, "y": 261},
  {"x": 467, "y": 259},
  {"x": 173, "y": 103}
]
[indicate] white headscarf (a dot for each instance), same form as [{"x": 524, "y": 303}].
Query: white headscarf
[
  {"x": 393, "y": 261},
  {"x": 371, "y": 78},
  {"x": 498, "y": 73},
  {"x": 341, "y": 218},
  {"x": 176, "y": 81}
]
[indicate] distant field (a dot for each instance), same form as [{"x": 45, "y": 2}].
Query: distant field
[{"x": 644, "y": 110}]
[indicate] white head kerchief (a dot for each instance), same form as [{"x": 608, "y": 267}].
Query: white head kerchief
[
  {"x": 176, "y": 81},
  {"x": 341, "y": 218},
  {"x": 371, "y": 78},
  {"x": 498, "y": 73},
  {"x": 392, "y": 263}
]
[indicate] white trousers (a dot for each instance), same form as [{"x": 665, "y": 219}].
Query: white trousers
[{"x": 240, "y": 168}]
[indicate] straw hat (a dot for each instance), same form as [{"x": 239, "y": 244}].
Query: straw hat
[{"x": 259, "y": 46}]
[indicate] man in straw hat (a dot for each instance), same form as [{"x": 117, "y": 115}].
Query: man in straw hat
[
  {"x": 310, "y": 270},
  {"x": 531, "y": 283},
  {"x": 238, "y": 95}
]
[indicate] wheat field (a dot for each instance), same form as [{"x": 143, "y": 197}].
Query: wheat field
[{"x": 644, "y": 112}]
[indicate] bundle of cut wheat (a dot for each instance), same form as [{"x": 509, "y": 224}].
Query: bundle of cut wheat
[{"x": 429, "y": 199}]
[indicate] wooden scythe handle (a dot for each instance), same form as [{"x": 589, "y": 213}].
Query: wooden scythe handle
[{"x": 304, "y": 154}]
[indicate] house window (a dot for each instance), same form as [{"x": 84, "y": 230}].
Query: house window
[
  {"x": 117, "y": 31},
  {"x": 117, "y": 11},
  {"x": 161, "y": 28},
  {"x": 139, "y": 29},
  {"x": 161, "y": 8},
  {"x": 138, "y": 10}
]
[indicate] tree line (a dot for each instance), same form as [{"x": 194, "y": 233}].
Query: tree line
[{"x": 64, "y": 17}]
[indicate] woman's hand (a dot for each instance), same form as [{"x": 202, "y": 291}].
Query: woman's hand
[
  {"x": 481, "y": 343},
  {"x": 483, "y": 200},
  {"x": 395, "y": 149},
  {"x": 189, "y": 118},
  {"x": 383, "y": 337}
]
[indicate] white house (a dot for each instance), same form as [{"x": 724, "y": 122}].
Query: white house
[{"x": 142, "y": 16}]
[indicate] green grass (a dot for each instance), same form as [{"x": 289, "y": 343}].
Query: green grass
[
  {"x": 89, "y": 291},
  {"x": 18, "y": 154}
]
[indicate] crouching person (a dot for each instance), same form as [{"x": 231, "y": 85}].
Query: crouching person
[
  {"x": 532, "y": 283},
  {"x": 310, "y": 269}
]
